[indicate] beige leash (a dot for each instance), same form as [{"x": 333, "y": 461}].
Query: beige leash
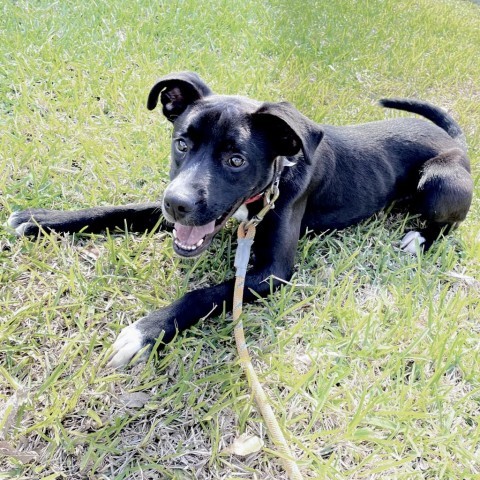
[{"x": 246, "y": 232}]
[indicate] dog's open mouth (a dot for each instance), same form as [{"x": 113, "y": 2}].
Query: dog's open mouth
[{"x": 189, "y": 241}]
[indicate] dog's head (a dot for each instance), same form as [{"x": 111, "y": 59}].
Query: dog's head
[{"x": 223, "y": 154}]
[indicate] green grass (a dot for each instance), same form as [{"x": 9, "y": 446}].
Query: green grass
[{"x": 371, "y": 356}]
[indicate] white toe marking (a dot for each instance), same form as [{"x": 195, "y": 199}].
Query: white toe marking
[
  {"x": 11, "y": 219},
  {"x": 408, "y": 238},
  {"x": 410, "y": 242},
  {"x": 20, "y": 228},
  {"x": 128, "y": 343}
]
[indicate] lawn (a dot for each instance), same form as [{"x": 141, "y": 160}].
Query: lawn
[{"x": 371, "y": 356}]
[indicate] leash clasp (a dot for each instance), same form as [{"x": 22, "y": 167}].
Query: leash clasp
[{"x": 269, "y": 198}]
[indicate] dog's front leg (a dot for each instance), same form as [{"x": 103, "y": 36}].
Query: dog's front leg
[
  {"x": 134, "y": 217},
  {"x": 183, "y": 313},
  {"x": 274, "y": 248}
]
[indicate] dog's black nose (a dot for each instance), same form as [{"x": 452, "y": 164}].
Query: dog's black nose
[{"x": 178, "y": 205}]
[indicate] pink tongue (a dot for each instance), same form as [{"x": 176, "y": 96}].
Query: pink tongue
[{"x": 191, "y": 235}]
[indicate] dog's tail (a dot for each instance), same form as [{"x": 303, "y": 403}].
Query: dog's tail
[{"x": 432, "y": 113}]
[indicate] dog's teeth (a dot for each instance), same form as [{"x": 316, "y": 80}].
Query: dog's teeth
[
  {"x": 174, "y": 233},
  {"x": 188, "y": 247},
  {"x": 181, "y": 245}
]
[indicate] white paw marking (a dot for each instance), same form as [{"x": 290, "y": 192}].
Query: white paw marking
[
  {"x": 410, "y": 242},
  {"x": 12, "y": 222},
  {"x": 11, "y": 219},
  {"x": 241, "y": 214},
  {"x": 128, "y": 343},
  {"x": 20, "y": 228}
]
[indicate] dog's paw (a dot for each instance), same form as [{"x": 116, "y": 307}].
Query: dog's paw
[
  {"x": 26, "y": 222},
  {"x": 410, "y": 242},
  {"x": 19, "y": 222},
  {"x": 130, "y": 341}
]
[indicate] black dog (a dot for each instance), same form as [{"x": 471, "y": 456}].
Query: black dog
[{"x": 227, "y": 150}]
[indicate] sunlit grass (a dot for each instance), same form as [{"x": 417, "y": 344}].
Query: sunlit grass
[{"x": 371, "y": 356}]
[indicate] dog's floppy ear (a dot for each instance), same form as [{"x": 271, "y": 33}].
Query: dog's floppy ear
[
  {"x": 177, "y": 91},
  {"x": 288, "y": 130}
]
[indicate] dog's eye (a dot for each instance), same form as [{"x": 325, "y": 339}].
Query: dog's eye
[
  {"x": 181, "y": 146},
  {"x": 236, "y": 161}
]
